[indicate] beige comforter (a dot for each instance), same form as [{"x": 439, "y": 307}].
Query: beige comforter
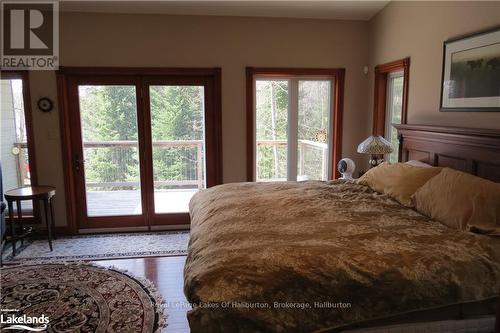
[{"x": 328, "y": 253}]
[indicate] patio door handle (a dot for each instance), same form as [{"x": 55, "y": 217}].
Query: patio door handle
[{"x": 77, "y": 162}]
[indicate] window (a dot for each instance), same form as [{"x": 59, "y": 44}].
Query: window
[
  {"x": 391, "y": 101},
  {"x": 294, "y": 124},
  {"x": 16, "y": 137},
  {"x": 394, "y": 111}
]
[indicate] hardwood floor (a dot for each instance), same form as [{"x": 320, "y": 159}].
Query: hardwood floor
[{"x": 167, "y": 275}]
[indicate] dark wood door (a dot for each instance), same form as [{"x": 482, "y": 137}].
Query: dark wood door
[{"x": 141, "y": 146}]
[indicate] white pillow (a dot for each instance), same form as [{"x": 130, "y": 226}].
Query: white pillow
[{"x": 418, "y": 164}]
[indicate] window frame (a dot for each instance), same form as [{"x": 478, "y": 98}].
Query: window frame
[
  {"x": 28, "y": 117},
  {"x": 389, "y": 106},
  {"x": 388, "y": 114},
  {"x": 382, "y": 73},
  {"x": 30, "y": 140},
  {"x": 336, "y": 100}
]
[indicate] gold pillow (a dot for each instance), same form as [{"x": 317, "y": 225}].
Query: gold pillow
[
  {"x": 461, "y": 201},
  {"x": 400, "y": 181}
]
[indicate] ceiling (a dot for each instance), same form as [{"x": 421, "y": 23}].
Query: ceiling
[{"x": 326, "y": 9}]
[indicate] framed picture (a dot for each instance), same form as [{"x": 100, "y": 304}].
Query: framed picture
[{"x": 471, "y": 73}]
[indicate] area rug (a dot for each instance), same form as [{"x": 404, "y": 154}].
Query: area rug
[
  {"x": 78, "y": 298},
  {"x": 105, "y": 246}
]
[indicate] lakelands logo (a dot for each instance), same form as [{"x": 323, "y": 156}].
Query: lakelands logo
[
  {"x": 33, "y": 324},
  {"x": 30, "y": 35}
]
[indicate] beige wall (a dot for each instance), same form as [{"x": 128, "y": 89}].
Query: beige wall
[
  {"x": 418, "y": 30},
  {"x": 196, "y": 41},
  {"x": 415, "y": 29}
]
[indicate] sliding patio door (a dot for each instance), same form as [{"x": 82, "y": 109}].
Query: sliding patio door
[
  {"x": 141, "y": 147},
  {"x": 109, "y": 163},
  {"x": 176, "y": 143}
]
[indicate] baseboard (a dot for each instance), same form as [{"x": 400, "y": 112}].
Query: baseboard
[
  {"x": 111, "y": 230},
  {"x": 66, "y": 231},
  {"x": 171, "y": 227}
]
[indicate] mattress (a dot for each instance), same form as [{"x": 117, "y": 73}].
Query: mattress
[{"x": 320, "y": 256}]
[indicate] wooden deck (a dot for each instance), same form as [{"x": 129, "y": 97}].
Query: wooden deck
[{"x": 128, "y": 202}]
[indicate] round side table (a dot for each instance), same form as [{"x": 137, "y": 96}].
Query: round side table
[{"x": 42, "y": 193}]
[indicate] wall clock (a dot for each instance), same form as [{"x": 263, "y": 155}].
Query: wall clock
[{"x": 45, "y": 104}]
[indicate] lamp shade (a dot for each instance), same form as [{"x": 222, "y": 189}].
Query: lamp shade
[{"x": 375, "y": 145}]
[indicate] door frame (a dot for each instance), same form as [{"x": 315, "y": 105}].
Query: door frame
[
  {"x": 30, "y": 137},
  {"x": 68, "y": 76},
  {"x": 336, "y": 112},
  {"x": 380, "y": 93}
]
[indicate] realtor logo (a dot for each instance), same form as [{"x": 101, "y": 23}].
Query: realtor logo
[
  {"x": 30, "y": 35},
  {"x": 22, "y": 323}
]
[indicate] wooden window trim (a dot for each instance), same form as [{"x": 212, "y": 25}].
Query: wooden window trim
[
  {"x": 380, "y": 94},
  {"x": 336, "y": 125},
  {"x": 65, "y": 74}
]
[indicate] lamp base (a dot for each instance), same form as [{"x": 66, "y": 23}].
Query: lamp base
[{"x": 375, "y": 161}]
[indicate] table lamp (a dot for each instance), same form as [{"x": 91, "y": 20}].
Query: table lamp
[{"x": 375, "y": 145}]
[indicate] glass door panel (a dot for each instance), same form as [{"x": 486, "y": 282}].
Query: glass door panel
[
  {"x": 314, "y": 105},
  {"x": 271, "y": 116},
  {"x": 394, "y": 111},
  {"x": 178, "y": 145},
  {"x": 16, "y": 169},
  {"x": 109, "y": 131}
]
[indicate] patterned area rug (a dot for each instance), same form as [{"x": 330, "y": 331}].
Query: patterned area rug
[
  {"x": 79, "y": 298},
  {"x": 106, "y": 246}
]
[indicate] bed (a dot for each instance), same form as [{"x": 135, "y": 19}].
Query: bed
[{"x": 338, "y": 256}]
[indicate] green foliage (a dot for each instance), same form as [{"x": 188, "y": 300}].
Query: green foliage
[
  {"x": 271, "y": 94},
  {"x": 272, "y": 124},
  {"x": 109, "y": 113},
  {"x": 176, "y": 114}
]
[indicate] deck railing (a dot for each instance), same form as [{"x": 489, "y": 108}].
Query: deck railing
[
  {"x": 23, "y": 173},
  {"x": 198, "y": 144},
  {"x": 304, "y": 163},
  {"x": 194, "y": 165}
]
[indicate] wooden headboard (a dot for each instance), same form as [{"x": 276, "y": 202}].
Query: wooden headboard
[{"x": 476, "y": 151}]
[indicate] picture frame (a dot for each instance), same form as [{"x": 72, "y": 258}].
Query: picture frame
[{"x": 470, "y": 78}]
